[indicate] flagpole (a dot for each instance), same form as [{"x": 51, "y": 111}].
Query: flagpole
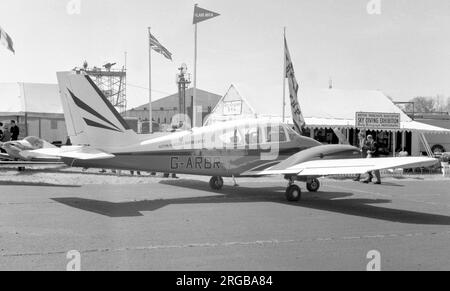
[
  {"x": 150, "y": 109},
  {"x": 194, "y": 99},
  {"x": 284, "y": 75}
]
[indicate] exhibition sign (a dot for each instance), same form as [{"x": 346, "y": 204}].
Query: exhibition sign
[{"x": 378, "y": 120}]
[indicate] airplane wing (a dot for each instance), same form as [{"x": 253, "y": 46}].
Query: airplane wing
[
  {"x": 321, "y": 168},
  {"x": 5, "y": 156},
  {"x": 76, "y": 152}
]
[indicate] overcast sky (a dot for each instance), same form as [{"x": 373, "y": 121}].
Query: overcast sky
[{"x": 404, "y": 51}]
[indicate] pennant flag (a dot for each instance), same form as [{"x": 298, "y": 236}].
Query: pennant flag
[
  {"x": 159, "y": 48},
  {"x": 201, "y": 14},
  {"x": 297, "y": 115},
  {"x": 6, "y": 40}
]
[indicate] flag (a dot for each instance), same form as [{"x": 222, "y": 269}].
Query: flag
[
  {"x": 297, "y": 115},
  {"x": 6, "y": 40},
  {"x": 201, "y": 14},
  {"x": 159, "y": 48}
]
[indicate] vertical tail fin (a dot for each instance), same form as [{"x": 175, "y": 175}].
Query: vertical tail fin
[
  {"x": 90, "y": 117},
  {"x": 297, "y": 115}
]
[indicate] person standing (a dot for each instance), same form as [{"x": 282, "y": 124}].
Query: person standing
[
  {"x": 15, "y": 131},
  {"x": 371, "y": 147},
  {"x": 6, "y": 135},
  {"x": 1, "y": 131},
  {"x": 362, "y": 141},
  {"x": 1, "y": 138}
]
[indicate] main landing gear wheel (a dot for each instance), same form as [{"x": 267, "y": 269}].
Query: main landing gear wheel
[
  {"x": 216, "y": 183},
  {"x": 293, "y": 193},
  {"x": 313, "y": 185}
]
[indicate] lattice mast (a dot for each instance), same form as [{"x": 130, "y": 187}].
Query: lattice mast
[{"x": 112, "y": 82}]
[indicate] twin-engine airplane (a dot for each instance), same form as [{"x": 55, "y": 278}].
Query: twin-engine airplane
[{"x": 243, "y": 148}]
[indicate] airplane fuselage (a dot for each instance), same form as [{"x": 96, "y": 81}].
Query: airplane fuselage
[{"x": 236, "y": 150}]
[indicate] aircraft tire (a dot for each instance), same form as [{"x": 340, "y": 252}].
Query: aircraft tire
[
  {"x": 313, "y": 185},
  {"x": 216, "y": 183},
  {"x": 293, "y": 193}
]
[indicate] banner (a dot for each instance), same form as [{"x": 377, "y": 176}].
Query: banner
[
  {"x": 297, "y": 115},
  {"x": 377, "y": 120},
  {"x": 201, "y": 14},
  {"x": 232, "y": 108}
]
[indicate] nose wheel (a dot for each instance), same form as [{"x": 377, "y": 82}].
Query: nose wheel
[{"x": 216, "y": 183}]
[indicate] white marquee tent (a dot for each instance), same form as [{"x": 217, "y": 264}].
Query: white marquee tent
[
  {"x": 37, "y": 108},
  {"x": 333, "y": 108},
  {"x": 18, "y": 98}
]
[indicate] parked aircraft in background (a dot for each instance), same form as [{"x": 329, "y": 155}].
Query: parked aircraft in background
[
  {"x": 20, "y": 153},
  {"x": 242, "y": 148}
]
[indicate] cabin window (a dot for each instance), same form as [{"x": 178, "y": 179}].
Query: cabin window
[
  {"x": 282, "y": 134},
  {"x": 231, "y": 136},
  {"x": 251, "y": 135},
  {"x": 274, "y": 134},
  {"x": 291, "y": 133}
]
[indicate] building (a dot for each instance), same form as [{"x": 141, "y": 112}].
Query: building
[
  {"x": 230, "y": 106},
  {"x": 166, "y": 108},
  {"x": 36, "y": 108}
]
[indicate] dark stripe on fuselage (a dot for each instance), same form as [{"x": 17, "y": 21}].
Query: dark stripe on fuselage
[
  {"x": 243, "y": 152},
  {"x": 88, "y": 109},
  {"x": 111, "y": 108}
]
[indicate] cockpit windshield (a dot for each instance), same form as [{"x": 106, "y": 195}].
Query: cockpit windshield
[
  {"x": 291, "y": 132},
  {"x": 34, "y": 141}
]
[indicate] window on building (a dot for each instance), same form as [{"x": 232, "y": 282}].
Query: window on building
[{"x": 54, "y": 124}]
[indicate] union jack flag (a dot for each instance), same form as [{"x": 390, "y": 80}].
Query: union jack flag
[{"x": 159, "y": 48}]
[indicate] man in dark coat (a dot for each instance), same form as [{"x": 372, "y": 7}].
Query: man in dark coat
[
  {"x": 15, "y": 131},
  {"x": 371, "y": 148}
]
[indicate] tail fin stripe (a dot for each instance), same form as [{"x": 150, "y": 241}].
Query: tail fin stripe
[
  {"x": 88, "y": 109},
  {"x": 111, "y": 108},
  {"x": 98, "y": 125}
]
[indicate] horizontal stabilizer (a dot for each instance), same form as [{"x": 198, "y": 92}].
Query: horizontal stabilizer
[
  {"x": 76, "y": 152},
  {"x": 351, "y": 166}
]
